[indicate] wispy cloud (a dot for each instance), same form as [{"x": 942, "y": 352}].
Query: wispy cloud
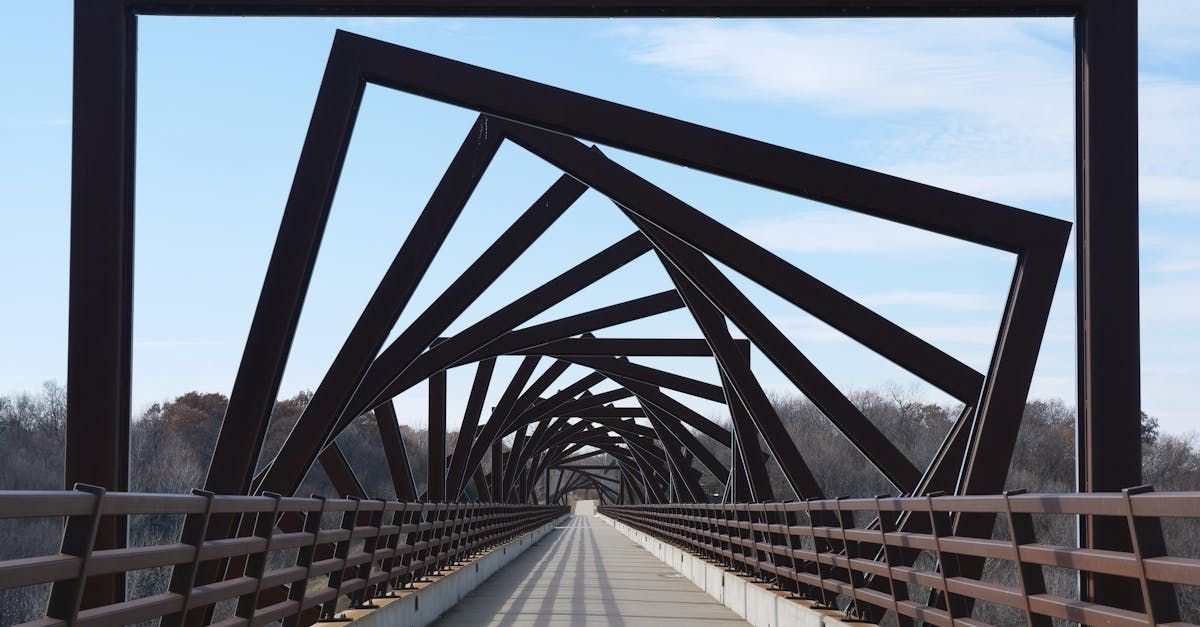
[
  {"x": 950, "y": 109},
  {"x": 171, "y": 344},
  {"x": 943, "y": 300},
  {"x": 961, "y": 334},
  {"x": 836, "y": 231},
  {"x": 983, "y": 107},
  {"x": 375, "y": 24},
  {"x": 39, "y": 122},
  {"x": 1169, "y": 138}
]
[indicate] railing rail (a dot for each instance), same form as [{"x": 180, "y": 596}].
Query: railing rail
[
  {"x": 866, "y": 551},
  {"x": 379, "y": 546}
]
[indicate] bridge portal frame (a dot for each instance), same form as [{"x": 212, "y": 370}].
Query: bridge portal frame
[{"x": 102, "y": 209}]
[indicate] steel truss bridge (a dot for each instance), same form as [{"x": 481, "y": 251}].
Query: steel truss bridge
[{"x": 859, "y": 555}]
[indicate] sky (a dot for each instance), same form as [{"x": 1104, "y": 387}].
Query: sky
[{"x": 982, "y": 107}]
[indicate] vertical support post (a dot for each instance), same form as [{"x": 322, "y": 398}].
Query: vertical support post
[
  {"x": 79, "y": 540},
  {"x": 437, "y": 437},
  {"x": 256, "y": 564},
  {"x": 1109, "y": 429},
  {"x": 183, "y": 576},
  {"x": 304, "y": 559},
  {"x": 101, "y": 283},
  {"x": 1146, "y": 535},
  {"x": 341, "y": 551},
  {"x": 497, "y": 468}
]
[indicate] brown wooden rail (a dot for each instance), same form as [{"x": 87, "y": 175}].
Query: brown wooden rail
[
  {"x": 865, "y": 550},
  {"x": 378, "y": 546}
]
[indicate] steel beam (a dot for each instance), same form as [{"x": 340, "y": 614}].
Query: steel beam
[{"x": 100, "y": 309}]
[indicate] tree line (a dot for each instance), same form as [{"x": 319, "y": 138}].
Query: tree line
[{"x": 172, "y": 443}]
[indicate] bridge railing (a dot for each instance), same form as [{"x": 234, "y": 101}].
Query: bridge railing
[
  {"x": 903, "y": 555},
  {"x": 355, "y": 549}
]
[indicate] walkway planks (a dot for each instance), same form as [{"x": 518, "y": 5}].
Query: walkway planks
[{"x": 586, "y": 573}]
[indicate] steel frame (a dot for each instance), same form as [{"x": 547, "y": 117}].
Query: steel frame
[{"x": 975, "y": 456}]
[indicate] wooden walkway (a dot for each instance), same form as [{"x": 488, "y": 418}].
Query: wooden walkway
[{"x": 586, "y": 573}]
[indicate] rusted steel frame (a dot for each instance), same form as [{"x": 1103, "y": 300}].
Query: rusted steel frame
[
  {"x": 562, "y": 329},
  {"x": 574, "y": 483},
  {"x": 470, "y": 424},
  {"x": 341, "y": 475},
  {"x": 626, "y": 346},
  {"x": 745, "y": 387},
  {"x": 183, "y": 576},
  {"x": 655, "y": 472},
  {"x": 519, "y": 457},
  {"x": 650, "y": 394},
  {"x": 287, "y": 281},
  {"x": 1108, "y": 429},
  {"x": 648, "y": 476},
  {"x": 481, "y": 484},
  {"x": 552, "y": 406},
  {"x": 395, "y": 453},
  {"x": 437, "y": 437},
  {"x": 100, "y": 304},
  {"x": 597, "y": 485},
  {"x": 845, "y": 416},
  {"x": 593, "y": 475},
  {"x": 533, "y": 446},
  {"x": 472, "y": 282},
  {"x": 610, "y": 411},
  {"x": 580, "y": 457},
  {"x": 565, "y": 466},
  {"x": 497, "y": 462},
  {"x": 305, "y": 557},
  {"x": 619, "y": 454},
  {"x": 1029, "y": 576},
  {"x": 510, "y": 463},
  {"x": 350, "y": 369},
  {"x": 728, "y": 155},
  {"x": 681, "y": 472},
  {"x": 503, "y": 320},
  {"x": 540, "y": 466},
  {"x": 562, "y": 401},
  {"x": 533, "y": 394},
  {"x": 341, "y": 552},
  {"x": 256, "y": 562},
  {"x": 1146, "y": 541},
  {"x": 581, "y": 481},
  {"x": 489, "y": 433},
  {"x": 623, "y": 425},
  {"x": 663, "y": 421},
  {"x": 746, "y": 454},
  {"x": 629, "y": 370},
  {"x": 67, "y": 597},
  {"x": 993, "y": 435},
  {"x": 616, "y": 8}
]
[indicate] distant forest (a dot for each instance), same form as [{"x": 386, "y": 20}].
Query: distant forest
[{"x": 172, "y": 443}]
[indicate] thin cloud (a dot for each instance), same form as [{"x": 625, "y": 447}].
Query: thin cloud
[
  {"x": 837, "y": 232},
  {"x": 962, "y": 334},
  {"x": 984, "y": 107},
  {"x": 172, "y": 344},
  {"x": 943, "y": 300}
]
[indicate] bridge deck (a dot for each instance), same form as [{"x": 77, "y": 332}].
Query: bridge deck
[{"x": 586, "y": 573}]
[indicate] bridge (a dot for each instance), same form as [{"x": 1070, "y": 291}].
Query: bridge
[{"x": 697, "y": 520}]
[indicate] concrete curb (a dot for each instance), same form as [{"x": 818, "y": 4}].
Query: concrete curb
[
  {"x": 426, "y": 602},
  {"x": 757, "y": 603}
]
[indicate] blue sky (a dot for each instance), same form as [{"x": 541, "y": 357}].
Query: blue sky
[{"x": 983, "y": 107}]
